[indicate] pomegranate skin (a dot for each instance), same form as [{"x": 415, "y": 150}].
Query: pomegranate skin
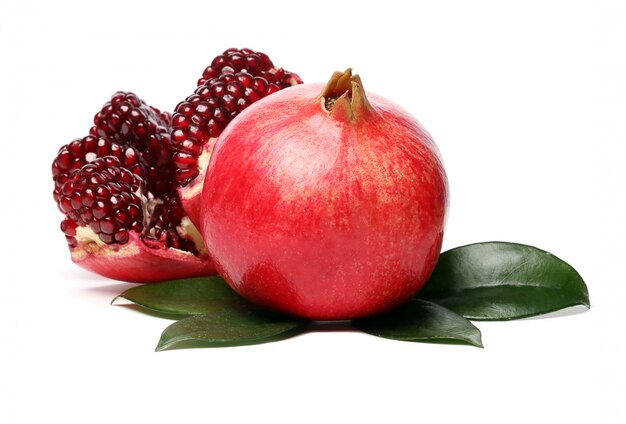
[
  {"x": 325, "y": 215},
  {"x": 137, "y": 263}
]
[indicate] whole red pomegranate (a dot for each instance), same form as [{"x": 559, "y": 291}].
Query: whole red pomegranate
[{"x": 322, "y": 202}]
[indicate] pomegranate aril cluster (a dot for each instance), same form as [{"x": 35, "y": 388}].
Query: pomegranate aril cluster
[
  {"x": 73, "y": 156},
  {"x": 206, "y": 113},
  {"x": 129, "y": 121},
  {"x": 104, "y": 196},
  {"x": 235, "y": 60},
  {"x": 235, "y": 79}
]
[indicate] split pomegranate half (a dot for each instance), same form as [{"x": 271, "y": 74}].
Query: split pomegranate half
[{"x": 120, "y": 187}]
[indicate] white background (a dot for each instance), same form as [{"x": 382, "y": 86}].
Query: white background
[{"x": 527, "y": 102}]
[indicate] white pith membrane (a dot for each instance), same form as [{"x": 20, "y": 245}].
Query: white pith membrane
[
  {"x": 190, "y": 232},
  {"x": 89, "y": 242}
]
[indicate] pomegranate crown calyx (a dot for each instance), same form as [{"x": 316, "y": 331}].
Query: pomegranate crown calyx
[{"x": 344, "y": 98}]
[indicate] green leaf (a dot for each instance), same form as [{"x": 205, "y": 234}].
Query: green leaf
[
  {"x": 189, "y": 296},
  {"x": 422, "y": 321},
  {"x": 503, "y": 281},
  {"x": 229, "y": 325}
]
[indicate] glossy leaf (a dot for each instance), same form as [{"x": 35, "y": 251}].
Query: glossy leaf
[
  {"x": 229, "y": 325},
  {"x": 503, "y": 281},
  {"x": 422, "y": 321},
  {"x": 183, "y": 297}
]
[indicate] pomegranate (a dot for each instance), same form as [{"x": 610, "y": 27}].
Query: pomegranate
[
  {"x": 325, "y": 203},
  {"x": 119, "y": 187},
  {"x": 123, "y": 218}
]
